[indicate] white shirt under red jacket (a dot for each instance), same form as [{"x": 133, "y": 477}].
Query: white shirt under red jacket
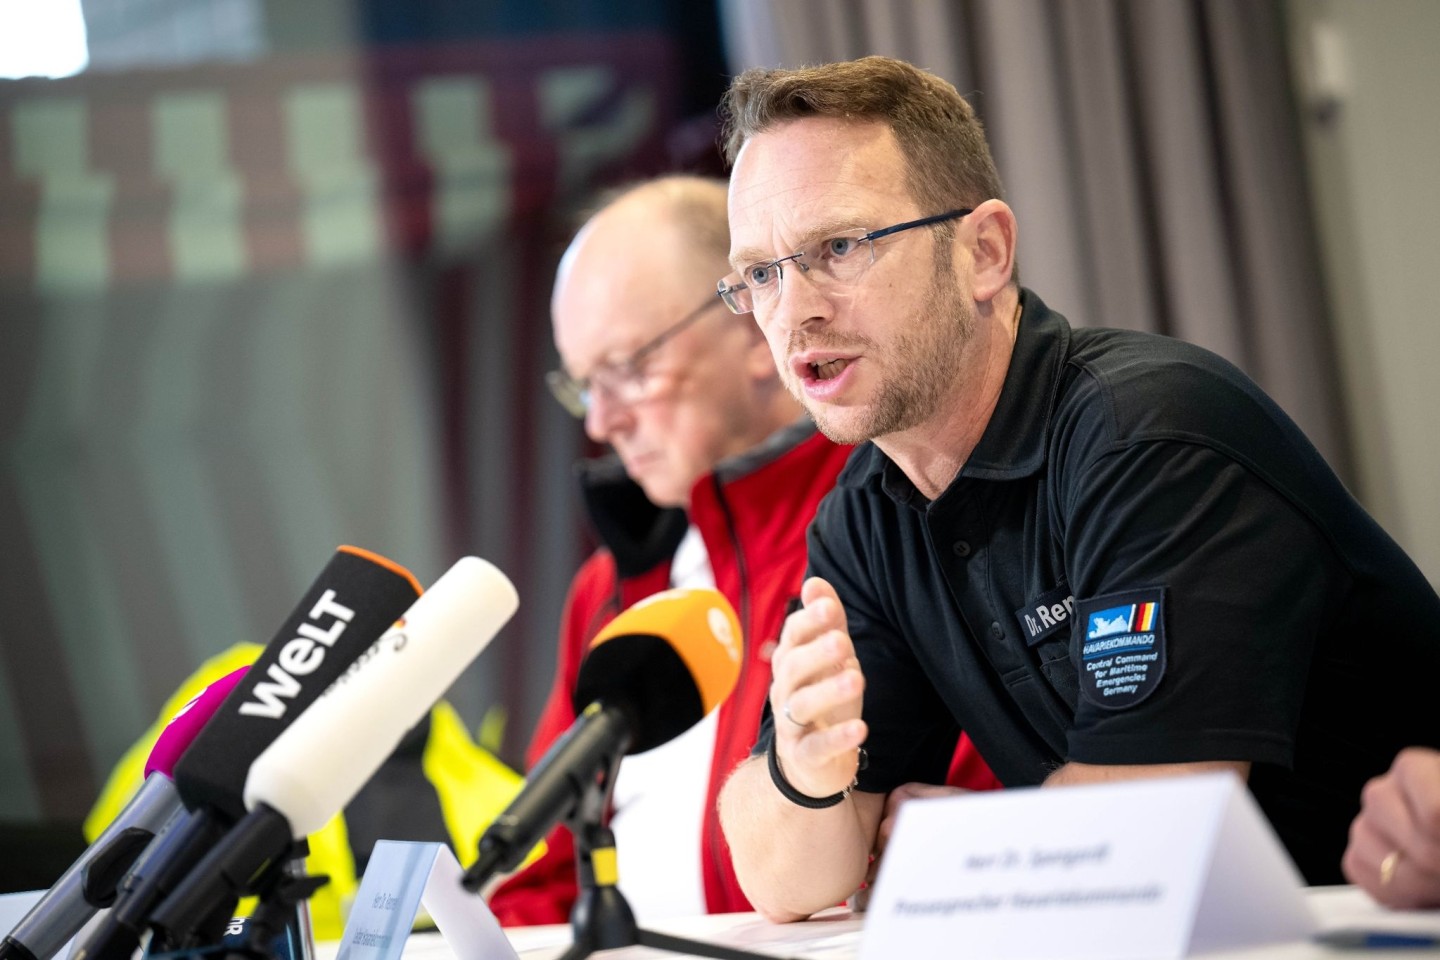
[{"x": 748, "y": 520}]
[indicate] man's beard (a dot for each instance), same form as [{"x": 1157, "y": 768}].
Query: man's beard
[{"x": 923, "y": 363}]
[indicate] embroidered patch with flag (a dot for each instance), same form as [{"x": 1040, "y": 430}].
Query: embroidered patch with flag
[{"x": 1122, "y": 647}]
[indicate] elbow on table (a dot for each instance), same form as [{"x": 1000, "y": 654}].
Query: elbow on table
[{"x": 779, "y": 914}]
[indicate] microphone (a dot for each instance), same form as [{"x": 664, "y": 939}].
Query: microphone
[
  {"x": 354, "y": 599},
  {"x": 91, "y": 882},
  {"x": 654, "y": 672},
  {"x": 314, "y": 768},
  {"x": 189, "y": 720}
]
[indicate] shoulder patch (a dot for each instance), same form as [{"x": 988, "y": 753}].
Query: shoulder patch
[{"x": 1122, "y": 648}]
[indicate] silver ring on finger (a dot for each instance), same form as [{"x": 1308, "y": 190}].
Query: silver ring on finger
[{"x": 785, "y": 709}]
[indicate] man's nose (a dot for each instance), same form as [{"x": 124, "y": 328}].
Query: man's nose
[
  {"x": 605, "y": 416},
  {"x": 802, "y": 301}
]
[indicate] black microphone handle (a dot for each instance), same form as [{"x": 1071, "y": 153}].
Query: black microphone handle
[
  {"x": 222, "y": 876},
  {"x": 175, "y": 851},
  {"x": 553, "y": 789}
]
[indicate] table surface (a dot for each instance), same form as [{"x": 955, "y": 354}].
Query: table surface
[{"x": 835, "y": 935}]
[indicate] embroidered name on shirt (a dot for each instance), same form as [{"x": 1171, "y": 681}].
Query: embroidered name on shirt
[
  {"x": 1046, "y": 614},
  {"x": 1122, "y": 653}
]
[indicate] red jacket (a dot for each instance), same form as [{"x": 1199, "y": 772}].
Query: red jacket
[{"x": 752, "y": 514}]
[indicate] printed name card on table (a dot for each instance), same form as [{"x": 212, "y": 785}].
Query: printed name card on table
[
  {"x": 398, "y": 880},
  {"x": 1119, "y": 871}
]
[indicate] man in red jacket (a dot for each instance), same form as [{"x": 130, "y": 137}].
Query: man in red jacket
[{"x": 714, "y": 476}]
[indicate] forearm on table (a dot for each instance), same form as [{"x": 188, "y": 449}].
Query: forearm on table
[{"x": 793, "y": 861}]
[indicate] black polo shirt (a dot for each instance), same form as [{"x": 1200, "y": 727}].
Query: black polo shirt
[{"x": 1143, "y": 561}]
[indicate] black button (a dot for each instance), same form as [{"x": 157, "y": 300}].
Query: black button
[
  {"x": 997, "y": 631},
  {"x": 961, "y": 548}
]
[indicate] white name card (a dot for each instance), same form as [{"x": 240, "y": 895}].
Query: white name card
[
  {"x": 399, "y": 878},
  {"x": 1138, "y": 870}
]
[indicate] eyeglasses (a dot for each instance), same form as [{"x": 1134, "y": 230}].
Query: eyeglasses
[
  {"x": 624, "y": 381},
  {"x": 839, "y": 259}
]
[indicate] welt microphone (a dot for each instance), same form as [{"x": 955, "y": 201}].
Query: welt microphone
[
  {"x": 314, "y": 768},
  {"x": 651, "y": 674},
  {"x": 91, "y": 881},
  {"x": 352, "y": 602}
]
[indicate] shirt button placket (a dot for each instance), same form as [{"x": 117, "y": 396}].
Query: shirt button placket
[{"x": 961, "y": 548}]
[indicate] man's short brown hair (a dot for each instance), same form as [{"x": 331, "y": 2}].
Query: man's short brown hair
[{"x": 948, "y": 163}]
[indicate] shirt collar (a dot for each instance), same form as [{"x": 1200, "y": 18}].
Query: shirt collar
[
  {"x": 1016, "y": 438},
  {"x": 1018, "y": 434},
  {"x": 773, "y": 447},
  {"x": 638, "y": 533}
]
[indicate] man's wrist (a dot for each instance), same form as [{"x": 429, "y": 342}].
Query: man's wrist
[{"x": 788, "y": 791}]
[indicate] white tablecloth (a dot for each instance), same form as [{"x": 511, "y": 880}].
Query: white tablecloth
[{"x": 835, "y": 935}]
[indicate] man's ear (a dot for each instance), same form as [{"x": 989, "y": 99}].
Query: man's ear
[{"x": 992, "y": 229}]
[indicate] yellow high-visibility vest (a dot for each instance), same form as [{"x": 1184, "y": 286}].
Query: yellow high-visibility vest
[{"x": 471, "y": 784}]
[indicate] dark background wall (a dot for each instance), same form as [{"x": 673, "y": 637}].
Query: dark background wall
[{"x": 275, "y": 277}]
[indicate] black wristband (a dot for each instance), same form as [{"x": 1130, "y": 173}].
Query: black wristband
[{"x": 788, "y": 791}]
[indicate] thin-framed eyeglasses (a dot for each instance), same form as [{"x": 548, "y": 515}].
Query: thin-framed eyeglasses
[
  {"x": 623, "y": 381},
  {"x": 839, "y": 259}
]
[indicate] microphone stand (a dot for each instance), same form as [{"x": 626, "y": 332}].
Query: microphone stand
[
  {"x": 283, "y": 910},
  {"x": 281, "y": 918},
  {"x": 602, "y": 918}
]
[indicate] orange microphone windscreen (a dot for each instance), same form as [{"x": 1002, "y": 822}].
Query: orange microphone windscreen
[{"x": 671, "y": 659}]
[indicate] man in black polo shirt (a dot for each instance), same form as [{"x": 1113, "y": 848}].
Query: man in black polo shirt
[{"x": 1102, "y": 554}]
